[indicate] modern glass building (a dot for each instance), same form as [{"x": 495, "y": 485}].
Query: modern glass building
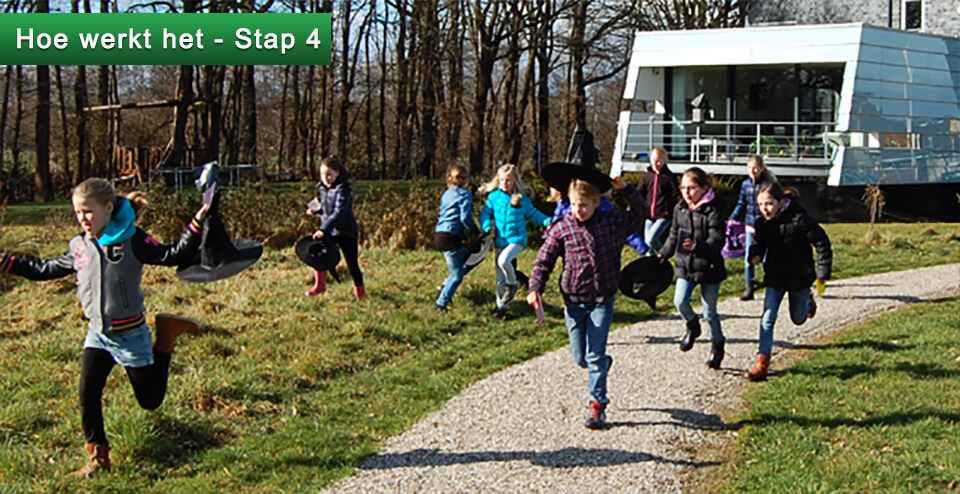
[{"x": 849, "y": 103}]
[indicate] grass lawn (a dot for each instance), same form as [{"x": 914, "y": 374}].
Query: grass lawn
[
  {"x": 873, "y": 409},
  {"x": 284, "y": 393}
]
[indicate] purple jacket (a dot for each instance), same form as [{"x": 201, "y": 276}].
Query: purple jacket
[{"x": 590, "y": 250}]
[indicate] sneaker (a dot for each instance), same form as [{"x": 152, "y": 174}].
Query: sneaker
[
  {"x": 813, "y": 306},
  {"x": 440, "y": 308},
  {"x": 597, "y": 418},
  {"x": 501, "y": 313}
]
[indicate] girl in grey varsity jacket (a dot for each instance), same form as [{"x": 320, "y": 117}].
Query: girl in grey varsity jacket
[{"x": 108, "y": 258}]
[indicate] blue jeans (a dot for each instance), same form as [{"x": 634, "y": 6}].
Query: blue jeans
[
  {"x": 588, "y": 326},
  {"x": 709, "y": 293},
  {"x": 799, "y": 307},
  {"x": 455, "y": 263},
  {"x": 749, "y": 270},
  {"x": 653, "y": 232}
]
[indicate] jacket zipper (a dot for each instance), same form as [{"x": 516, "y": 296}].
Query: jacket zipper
[{"x": 123, "y": 292}]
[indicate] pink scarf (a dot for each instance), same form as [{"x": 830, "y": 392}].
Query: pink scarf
[{"x": 707, "y": 197}]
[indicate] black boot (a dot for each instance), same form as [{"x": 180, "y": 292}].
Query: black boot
[
  {"x": 748, "y": 293},
  {"x": 693, "y": 331},
  {"x": 716, "y": 354}
]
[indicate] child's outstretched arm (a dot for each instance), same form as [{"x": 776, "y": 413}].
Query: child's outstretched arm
[
  {"x": 148, "y": 251},
  {"x": 38, "y": 269},
  {"x": 533, "y": 214},
  {"x": 638, "y": 209},
  {"x": 486, "y": 216},
  {"x": 818, "y": 237}
]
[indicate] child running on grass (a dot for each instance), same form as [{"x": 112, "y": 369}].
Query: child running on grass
[
  {"x": 454, "y": 225},
  {"x": 785, "y": 234},
  {"x": 697, "y": 236},
  {"x": 508, "y": 209},
  {"x": 335, "y": 195},
  {"x": 590, "y": 242},
  {"x": 108, "y": 259}
]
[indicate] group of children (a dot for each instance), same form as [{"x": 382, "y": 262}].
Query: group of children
[{"x": 587, "y": 232}]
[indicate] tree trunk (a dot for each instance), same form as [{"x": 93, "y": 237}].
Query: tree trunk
[
  {"x": 454, "y": 108},
  {"x": 43, "y": 188},
  {"x": 180, "y": 114},
  {"x": 578, "y": 93},
  {"x": 346, "y": 82},
  {"x": 3, "y": 127},
  {"x": 429, "y": 73},
  {"x": 15, "y": 145},
  {"x": 248, "y": 140},
  {"x": 63, "y": 124}
]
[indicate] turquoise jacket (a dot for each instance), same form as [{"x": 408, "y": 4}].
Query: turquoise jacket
[{"x": 511, "y": 222}]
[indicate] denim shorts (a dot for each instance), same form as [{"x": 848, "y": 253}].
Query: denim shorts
[{"x": 130, "y": 348}]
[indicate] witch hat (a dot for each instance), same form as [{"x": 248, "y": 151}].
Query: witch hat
[
  {"x": 581, "y": 163},
  {"x": 320, "y": 254},
  {"x": 219, "y": 257},
  {"x": 646, "y": 278}
]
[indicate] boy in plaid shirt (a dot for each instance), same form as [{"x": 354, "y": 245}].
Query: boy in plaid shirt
[{"x": 590, "y": 242}]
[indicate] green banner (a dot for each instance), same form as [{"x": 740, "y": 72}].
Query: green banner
[{"x": 165, "y": 39}]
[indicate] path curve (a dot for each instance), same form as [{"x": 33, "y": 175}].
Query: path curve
[{"x": 521, "y": 429}]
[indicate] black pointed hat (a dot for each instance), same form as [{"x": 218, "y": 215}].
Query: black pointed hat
[
  {"x": 581, "y": 163},
  {"x": 219, "y": 257},
  {"x": 320, "y": 254},
  {"x": 646, "y": 278}
]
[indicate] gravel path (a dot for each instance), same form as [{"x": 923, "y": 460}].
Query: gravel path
[{"x": 522, "y": 429}]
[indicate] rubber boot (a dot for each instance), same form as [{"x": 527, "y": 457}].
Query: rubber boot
[
  {"x": 759, "y": 372},
  {"x": 748, "y": 293},
  {"x": 693, "y": 331},
  {"x": 716, "y": 354},
  {"x": 360, "y": 292},
  {"x": 319, "y": 283},
  {"x": 99, "y": 460},
  {"x": 168, "y": 328}
]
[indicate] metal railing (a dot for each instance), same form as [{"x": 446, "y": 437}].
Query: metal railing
[{"x": 726, "y": 141}]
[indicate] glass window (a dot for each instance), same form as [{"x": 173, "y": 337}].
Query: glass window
[{"x": 912, "y": 14}]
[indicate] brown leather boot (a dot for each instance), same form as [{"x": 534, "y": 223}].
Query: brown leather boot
[
  {"x": 759, "y": 372},
  {"x": 99, "y": 460},
  {"x": 169, "y": 327}
]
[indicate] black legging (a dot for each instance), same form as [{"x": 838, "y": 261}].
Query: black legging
[
  {"x": 149, "y": 385},
  {"x": 350, "y": 248}
]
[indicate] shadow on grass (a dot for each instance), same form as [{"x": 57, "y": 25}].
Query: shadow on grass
[
  {"x": 562, "y": 458},
  {"x": 688, "y": 419},
  {"x": 916, "y": 371},
  {"x": 879, "y": 346},
  {"x": 177, "y": 442},
  {"x": 895, "y": 419},
  {"x": 907, "y": 299}
]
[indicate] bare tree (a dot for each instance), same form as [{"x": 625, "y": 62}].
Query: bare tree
[{"x": 488, "y": 25}]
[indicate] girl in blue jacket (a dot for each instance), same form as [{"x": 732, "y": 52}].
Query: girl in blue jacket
[
  {"x": 748, "y": 212},
  {"x": 335, "y": 194},
  {"x": 454, "y": 225},
  {"x": 507, "y": 209}
]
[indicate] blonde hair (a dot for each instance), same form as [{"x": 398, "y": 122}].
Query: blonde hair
[
  {"x": 522, "y": 189},
  {"x": 103, "y": 192},
  {"x": 456, "y": 168},
  {"x": 584, "y": 189},
  {"x": 660, "y": 151},
  {"x": 555, "y": 195}
]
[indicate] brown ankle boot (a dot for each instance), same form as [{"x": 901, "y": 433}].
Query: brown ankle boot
[
  {"x": 99, "y": 460},
  {"x": 759, "y": 372},
  {"x": 169, "y": 327}
]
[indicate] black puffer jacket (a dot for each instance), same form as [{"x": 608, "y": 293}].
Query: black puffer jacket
[
  {"x": 786, "y": 242},
  {"x": 707, "y": 227},
  {"x": 337, "y": 216}
]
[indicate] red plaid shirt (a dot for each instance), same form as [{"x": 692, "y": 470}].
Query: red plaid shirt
[{"x": 590, "y": 250}]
